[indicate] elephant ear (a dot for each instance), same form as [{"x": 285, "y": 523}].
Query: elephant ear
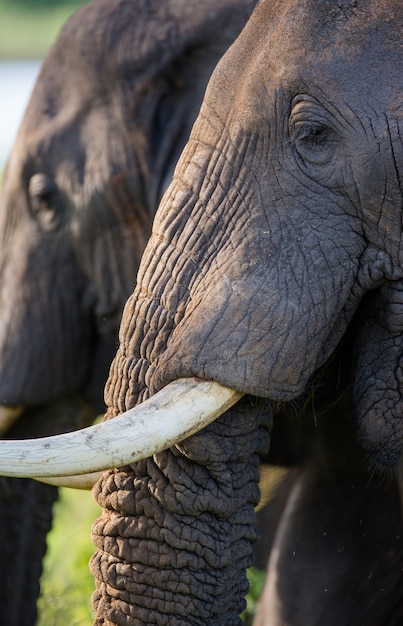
[
  {"x": 165, "y": 62},
  {"x": 150, "y": 61},
  {"x": 141, "y": 68},
  {"x": 378, "y": 384}
]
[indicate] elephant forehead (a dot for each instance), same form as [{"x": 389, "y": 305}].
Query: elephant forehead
[
  {"x": 297, "y": 27},
  {"x": 354, "y": 45}
]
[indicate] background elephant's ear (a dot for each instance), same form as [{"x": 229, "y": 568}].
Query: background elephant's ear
[
  {"x": 176, "y": 53},
  {"x": 146, "y": 68},
  {"x": 378, "y": 383}
]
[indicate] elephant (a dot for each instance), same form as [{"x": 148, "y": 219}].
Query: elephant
[
  {"x": 336, "y": 554},
  {"x": 273, "y": 270},
  {"x": 111, "y": 110},
  {"x": 280, "y": 233}
]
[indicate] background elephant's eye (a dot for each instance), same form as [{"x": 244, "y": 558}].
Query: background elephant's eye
[{"x": 43, "y": 195}]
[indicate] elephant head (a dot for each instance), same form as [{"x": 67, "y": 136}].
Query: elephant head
[
  {"x": 111, "y": 110},
  {"x": 282, "y": 223}
]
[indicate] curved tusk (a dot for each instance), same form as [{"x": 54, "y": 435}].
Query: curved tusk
[
  {"x": 181, "y": 409},
  {"x": 8, "y": 415}
]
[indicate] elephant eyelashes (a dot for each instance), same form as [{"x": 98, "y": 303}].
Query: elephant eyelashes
[
  {"x": 313, "y": 143},
  {"x": 43, "y": 194},
  {"x": 313, "y": 136}
]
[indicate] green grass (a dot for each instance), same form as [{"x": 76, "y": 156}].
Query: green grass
[
  {"x": 67, "y": 585},
  {"x": 256, "y": 581},
  {"x": 28, "y": 30}
]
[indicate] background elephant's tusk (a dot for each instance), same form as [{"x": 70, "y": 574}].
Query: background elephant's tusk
[
  {"x": 181, "y": 409},
  {"x": 8, "y": 415},
  {"x": 79, "y": 481}
]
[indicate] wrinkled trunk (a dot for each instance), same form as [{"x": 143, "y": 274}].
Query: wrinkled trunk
[{"x": 176, "y": 534}]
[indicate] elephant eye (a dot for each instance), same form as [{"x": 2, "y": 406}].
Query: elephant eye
[
  {"x": 313, "y": 143},
  {"x": 43, "y": 195},
  {"x": 312, "y": 135}
]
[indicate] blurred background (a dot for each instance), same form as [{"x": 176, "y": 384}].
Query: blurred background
[{"x": 27, "y": 30}]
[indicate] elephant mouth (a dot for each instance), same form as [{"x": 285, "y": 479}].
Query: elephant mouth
[{"x": 74, "y": 459}]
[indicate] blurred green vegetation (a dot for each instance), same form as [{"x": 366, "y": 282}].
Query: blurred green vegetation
[
  {"x": 256, "y": 582},
  {"x": 29, "y": 27},
  {"x": 67, "y": 585}
]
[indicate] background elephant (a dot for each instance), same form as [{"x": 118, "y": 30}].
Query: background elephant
[
  {"x": 281, "y": 231},
  {"x": 337, "y": 553},
  {"x": 110, "y": 112}
]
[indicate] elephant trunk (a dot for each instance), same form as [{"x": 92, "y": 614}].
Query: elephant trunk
[
  {"x": 177, "y": 529},
  {"x": 175, "y": 537}
]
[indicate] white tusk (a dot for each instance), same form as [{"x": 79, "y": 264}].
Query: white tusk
[
  {"x": 181, "y": 409},
  {"x": 8, "y": 415}
]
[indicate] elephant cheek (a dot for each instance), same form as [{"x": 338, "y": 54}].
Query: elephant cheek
[
  {"x": 378, "y": 383},
  {"x": 246, "y": 336}
]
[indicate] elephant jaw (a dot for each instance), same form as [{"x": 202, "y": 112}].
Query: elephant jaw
[
  {"x": 178, "y": 411},
  {"x": 8, "y": 415}
]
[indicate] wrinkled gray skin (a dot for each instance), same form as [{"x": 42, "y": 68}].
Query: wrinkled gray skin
[
  {"x": 282, "y": 224},
  {"x": 111, "y": 110}
]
